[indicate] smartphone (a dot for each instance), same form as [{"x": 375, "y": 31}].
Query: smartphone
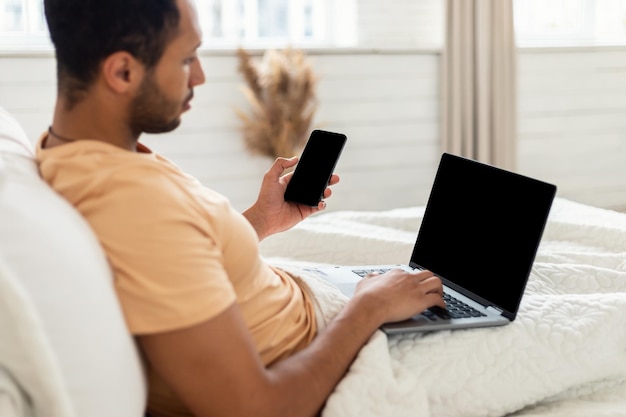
[{"x": 315, "y": 167}]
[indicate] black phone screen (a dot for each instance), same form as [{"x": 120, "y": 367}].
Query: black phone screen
[{"x": 315, "y": 167}]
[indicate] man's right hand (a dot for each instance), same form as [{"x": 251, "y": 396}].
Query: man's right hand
[
  {"x": 215, "y": 369},
  {"x": 398, "y": 295}
]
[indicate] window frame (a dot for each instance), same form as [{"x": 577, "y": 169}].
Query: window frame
[
  {"x": 586, "y": 36},
  {"x": 340, "y": 32}
]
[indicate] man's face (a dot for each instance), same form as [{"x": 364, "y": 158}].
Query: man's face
[
  {"x": 166, "y": 90},
  {"x": 152, "y": 111}
]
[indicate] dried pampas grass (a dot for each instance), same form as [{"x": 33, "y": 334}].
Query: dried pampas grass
[{"x": 281, "y": 92}]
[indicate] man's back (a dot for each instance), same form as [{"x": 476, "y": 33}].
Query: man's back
[
  {"x": 185, "y": 262},
  {"x": 180, "y": 253}
]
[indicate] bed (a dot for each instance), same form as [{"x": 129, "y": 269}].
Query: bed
[{"x": 564, "y": 355}]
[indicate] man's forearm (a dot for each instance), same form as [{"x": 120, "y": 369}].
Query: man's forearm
[
  {"x": 215, "y": 369},
  {"x": 258, "y": 222},
  {"x": 301, "y": 383}
]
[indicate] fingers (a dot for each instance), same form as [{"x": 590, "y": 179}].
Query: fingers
[
  {"x": 432, "y": 289},
  {"x": 401, "y": 294},
  {"x": 429, "y": 282},
  {"x": 428, "y": 285},
  {"x": 334, "y": 179}
]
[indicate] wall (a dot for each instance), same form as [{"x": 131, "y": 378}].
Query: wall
[
  {"x": 572, "y": 122},
  {"x": 386, "y": 103}
]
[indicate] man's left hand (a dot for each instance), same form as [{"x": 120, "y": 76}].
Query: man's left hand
[{"x": 271, "y": 213}]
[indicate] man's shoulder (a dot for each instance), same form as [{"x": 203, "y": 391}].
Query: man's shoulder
[
  {"x": 88, "y": 170},
  {"x": 90, "y": 159}
]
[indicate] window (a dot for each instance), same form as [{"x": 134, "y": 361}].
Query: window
[
  {"x": 403, "y": 24},
  {"x": 22, "y": 23},
  {"x": 272, "y": 22},
  {"x": 226, "y": 23},
  {"x": 570, "y": 22}
]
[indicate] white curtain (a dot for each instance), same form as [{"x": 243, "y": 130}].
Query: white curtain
[{"x": 479, "y": 81}]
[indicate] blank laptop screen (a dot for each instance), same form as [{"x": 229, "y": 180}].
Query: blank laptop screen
[{"x": 482, "y": 227}]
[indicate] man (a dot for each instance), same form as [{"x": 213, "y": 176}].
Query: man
[{"x": 222, "y": 332}]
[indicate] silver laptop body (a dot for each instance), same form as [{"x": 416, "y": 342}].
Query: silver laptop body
[{"x": 480, "y": 233}]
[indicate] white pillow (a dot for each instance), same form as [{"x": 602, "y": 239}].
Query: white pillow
[
  {"x": 13, "y": 139},
  {"x": 52, "y": 252},
  {"x": 30, "y": 376}
]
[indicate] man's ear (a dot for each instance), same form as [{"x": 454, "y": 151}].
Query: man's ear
[{"x": 122, "y": 72}]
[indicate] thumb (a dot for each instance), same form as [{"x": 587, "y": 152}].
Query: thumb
[{"x": 281, "y": 164}]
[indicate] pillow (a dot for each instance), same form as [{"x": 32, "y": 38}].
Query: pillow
[
  {"x": 13, "y": 402},
  {"x": 13, "y": 139},
  {"x": 55, "y": 257},
  {"x": 29, "y": 362}
]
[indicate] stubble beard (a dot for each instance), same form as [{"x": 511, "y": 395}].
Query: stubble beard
[{"x": 151, "y": 111}]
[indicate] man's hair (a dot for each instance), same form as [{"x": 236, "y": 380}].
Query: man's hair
[{"x": 85, "y": 32}]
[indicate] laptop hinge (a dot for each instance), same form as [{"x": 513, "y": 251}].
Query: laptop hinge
[{"x": 494, "y": 310}]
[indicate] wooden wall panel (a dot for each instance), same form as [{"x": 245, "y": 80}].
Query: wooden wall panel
[
  {"x": 387, "y": 104},
  {"x": 571, "y": 122}
]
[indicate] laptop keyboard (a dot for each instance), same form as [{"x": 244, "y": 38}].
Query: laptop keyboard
[
  {"x": 455, "y": 309},
  {"x": 363, "y": 272}
]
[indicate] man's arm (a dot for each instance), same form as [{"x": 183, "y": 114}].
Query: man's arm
[
  {"x": 271, "y": 213},
  {"x": 216, "y": 371}
]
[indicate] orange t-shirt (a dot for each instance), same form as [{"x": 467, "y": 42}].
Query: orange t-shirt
[{"x": 179, "y": 252}]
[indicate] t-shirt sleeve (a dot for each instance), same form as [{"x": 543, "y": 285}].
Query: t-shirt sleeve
[{"x": 165, "y": 255}]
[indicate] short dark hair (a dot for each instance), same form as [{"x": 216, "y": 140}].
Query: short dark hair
[{"x": 85, "y": 32}]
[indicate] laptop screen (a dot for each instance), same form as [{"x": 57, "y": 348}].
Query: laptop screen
[{"x": 481, "y": 229}]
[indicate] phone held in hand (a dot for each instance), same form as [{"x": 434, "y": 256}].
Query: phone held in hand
[{"x": 315, "y": 167}]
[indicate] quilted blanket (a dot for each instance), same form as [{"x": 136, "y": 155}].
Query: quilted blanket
[{"x": 564, "y": 355}]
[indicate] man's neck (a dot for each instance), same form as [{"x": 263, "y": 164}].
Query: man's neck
[{"x": 91, "y": 121}]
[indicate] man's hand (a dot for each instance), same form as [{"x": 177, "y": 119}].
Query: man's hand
[
  {"x": 215, "y": 369},
  {"x": 271, "y": 213},
  {"x": 399, "y": 294}
]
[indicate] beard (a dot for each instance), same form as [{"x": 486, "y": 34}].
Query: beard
[{"x": 151, "y": 111}]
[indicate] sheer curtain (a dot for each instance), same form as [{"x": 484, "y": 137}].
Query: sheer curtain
[{"x": 479, "y": 81}]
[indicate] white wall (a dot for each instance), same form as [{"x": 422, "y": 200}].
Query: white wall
[
  {"x": 386, "y": 103},
  {"x": 572, "y": 123},
  {"x": 400, "y": 23}
]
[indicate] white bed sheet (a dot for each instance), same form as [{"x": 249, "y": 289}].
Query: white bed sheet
[{"x": 565, "y": 355}]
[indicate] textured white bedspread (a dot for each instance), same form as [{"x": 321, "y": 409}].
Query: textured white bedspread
[{"x": 564, "y": 355}]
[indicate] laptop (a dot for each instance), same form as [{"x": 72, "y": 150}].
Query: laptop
[{"x": 480, "y": 233}]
